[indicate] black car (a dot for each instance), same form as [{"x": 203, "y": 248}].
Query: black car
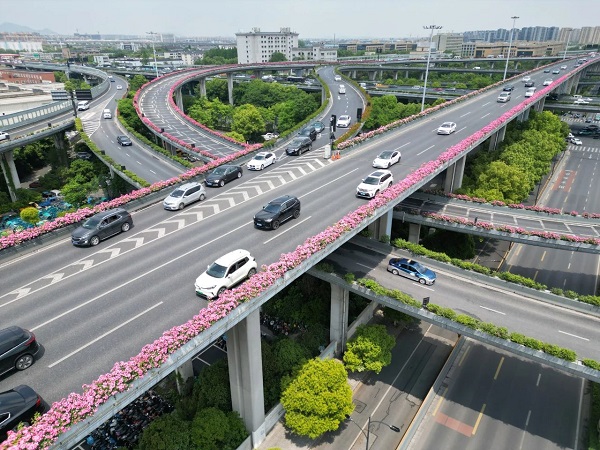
[
  {"x": 123, "y": 140},
  {"x": 508, "y": 88},
  {"x": 18, "y": 348},
  {"x": 546, "y": 70},
  {"x": 309, "y": 132},
  {"x": 298, "y": 146},
  {"x": 530, "y": 83},
  {"x": 223, "y": 174},
  {"x": 84, "y": 155},
  {"x": 102, "y": 226},
  {"x": 18, "y": 405},
  {"x": 277, "y": 211}
]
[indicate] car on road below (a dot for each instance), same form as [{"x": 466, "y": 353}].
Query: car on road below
[
  {"x": 123, "y": 140},
  {"x": 341, "y": 89},
  {"x": 223, "y": 174},
  {"x": 4, "y": 136},
  {"x": 184, "y": 195},
  {"x": 298, "y": 146},
  {"x": 119, "y": 87},
  {"x": 224, "y": 273},
  {"x": 18, "y": 348},
  {"x": 386, "y": 159},
  {"x": 84, "y": 155},
  {"x": 376, "y": 182},
  {"x": 508, "y": 88},
  {"x": 576, "y": 141},
  {"x": 446, "y": 128},
  {"x": 277, "y": 211},
  {"x": 581, "y": 101},
  {"x": 503, "y": 97},
  {"x": 344, "y": 121},
  {"x": 414, "y": 270},
  {"x": 261, "y": 160},
  {"x": 337, "y": 78},
  {"x": 102, "y": 226},
  {"x": 270, "y": 136},
  {"x": 548, "y": 82},
  {"x": 18, "y": 405},
  {"x": 308, "y": 131}
]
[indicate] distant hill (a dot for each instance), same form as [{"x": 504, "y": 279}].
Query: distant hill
[{"x": 7, "y": 27}]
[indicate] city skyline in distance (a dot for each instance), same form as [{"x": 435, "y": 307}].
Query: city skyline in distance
[{"x": 383, "y": 19}]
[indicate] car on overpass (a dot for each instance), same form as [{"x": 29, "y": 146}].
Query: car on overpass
[
  {"x": 18, "y": 348},
  {"x": 261, "y": 160},
  {"x": 376, "y": 182},
  {"x": 446, "y": 128},
  {"x": 508, "y": 88},
  {"x": 344, "y": 121},
  {"x": 277, "y": 211},
  {"x": 223, "y": 174},
  {"x": 184, "y": 195},
  {"x": 548, "y": 82},
  {"x": 17, "y": 405},
  {"x": 102, "y": 226},
  {"x": 224, "y": 273},
  {"x": 411, "y": 269},
  {"x": 4, "y": 136},
  {"x": 386, "y": 159},
  {"x": 503, "y": 97}
]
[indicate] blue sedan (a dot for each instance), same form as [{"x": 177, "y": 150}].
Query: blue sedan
[{"x": 411, "y": 269}]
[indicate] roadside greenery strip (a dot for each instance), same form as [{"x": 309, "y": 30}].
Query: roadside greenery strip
[
  {"x": 77, "y": 407},
  {"x": 512, "y": 230},
  {"x": 476, "y": 324},
  {"x": 419, "y": 250}
]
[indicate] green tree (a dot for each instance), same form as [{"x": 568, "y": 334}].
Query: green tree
[
  {"x": 168, "y": 432},
  {"x": 137, "y": 82},
  {"x": 319, "y": 398},
  {"x": 248, "y": 122},
  {"x": 213, "y": 429},
  {"x": 30, "y": 215},
  {"x": 289, "y": 354},
  {"x": 76, "y": 192},
  {"x": 212, "y": 387},
  {"x": 508, "y": 181},
  {"x": 370, "y": 349},
  {"x": 277, "y": 57}
]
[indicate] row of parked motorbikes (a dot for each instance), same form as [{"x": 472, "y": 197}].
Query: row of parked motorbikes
[
  {"x": 125, "y": 427},
  {"x": 280, "y": 326}
]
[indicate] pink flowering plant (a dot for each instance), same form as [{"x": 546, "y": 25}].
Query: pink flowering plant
[{"x": 77, "y": 407}]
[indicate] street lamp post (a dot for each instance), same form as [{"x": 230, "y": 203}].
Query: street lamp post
[
  {"x": 153, "y": 51},
  {"x": 428, "y": 27},
  {"x": 368, "y": 433},
  {"x": 514, "y": 18},
  {"x": 567, "y": 43}
]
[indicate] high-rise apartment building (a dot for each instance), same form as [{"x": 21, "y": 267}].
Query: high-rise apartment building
[
  {"x": 258, "y": 46},
  {"x": 448, "y": 42}
]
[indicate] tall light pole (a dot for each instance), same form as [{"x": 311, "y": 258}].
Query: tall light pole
[
  {"x": 368, "y": 433},
  {"x": 428, "y": 27},
  {"x": 514, "y": 18},
  {"x": 567, "y": 43},
  {"x": 154, "y": 51}
]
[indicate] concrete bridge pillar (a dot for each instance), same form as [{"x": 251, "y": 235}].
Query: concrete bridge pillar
[
  {"x": 61, "y": 148},
  {"x": 202, "y": 87},
  {"x": 230, "y": 87},
  {"x": 414, "y": 231},
  {"x": 454, "y": 175},
  {"x": 338, "y": 320},
  {"x": 354, "y": 74},
  {"x": 395, "y": 74},
  {"x": 179, "y": 98},
  {"x": 539, "y": 106},
  {"x": 496, "y": 138},
  {"x": 184, "y": 372},
  {"x": 406, "y": 74},
  {"x": 524, "y": 115},
  {"x": 244, "y": 358},
  {"x": 372, "y": 75},
  {"x": 10, "y": 174},
  {"x": 382, "y": 226}
]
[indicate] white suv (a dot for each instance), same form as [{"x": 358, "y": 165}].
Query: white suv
[
  {"x": 225, "y": 272},
  {"x": 4, "y": 136},
  {"x": 184, "y": 195},
  {"x": 375, "y": 183}
]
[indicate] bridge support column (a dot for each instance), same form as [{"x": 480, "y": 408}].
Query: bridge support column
[
  {"x": 496, "y": 138},
  {"x": 395, "y": 74},
  {"x": 179, "y": 98},
  {"x": 10, "y": 174},
  {"x": 338, "y": 320},
  {"x": 372, "y": 75},
  {"x": 202, "y": 87},
  {"x": 539, "y": 106},
  {"x": 382, "y": 226},
  {"x": 61, "y": 148},
  {"x": 406, "y": 74},
  {"x": 184, "y": 373},
  {"x": 245, "y": 375},
  {"x": 414, "y": 231},
  {"x": 230, "y": 87},
  {"x": 354, "y": 74},
  {"x": 524, "y": 115},
  {"x": 454, "y": 175}
]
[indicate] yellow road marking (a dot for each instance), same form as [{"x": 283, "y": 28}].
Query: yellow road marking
[
  {"x": 440, "y": 401},
  {"x": 499, "y": 367},
  {"x": 464, "y": 356},
  {"x": 478, "y": 419}
]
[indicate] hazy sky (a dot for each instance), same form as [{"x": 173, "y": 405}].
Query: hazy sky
[{"x": 309, "y": 18}]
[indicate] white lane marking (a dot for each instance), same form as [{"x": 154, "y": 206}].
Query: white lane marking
[
  {"x": 573, "y": 335},
  {"x": 492, "y": 310},
  {"x": 403, "y": 145},
  {"x": 327, "y": 184},
  {"x": 103, "y": 335},
  {"x": 286, "y": 230},
  {"x": 153, "y": 171},
  {"x": 466, "y": 114},
  {"x": 463, "y": 128},
  {"x": 364, "y": 265},
  {"x": 428, "y": 148},
  {"x": 537, "y": 383},
  {"x": 483, "y": 117},
  {"x": 485, "y": 104}
]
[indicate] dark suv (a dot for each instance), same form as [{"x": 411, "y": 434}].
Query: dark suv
[
  {"x": 123, "y": 140},
  {"x": 102, "y": 226},
  {"x": 18, "y": 348},
  {"x": 309, "y": 131},
  {"x": 277, "y": 211},
  {"x": 298, "y": 146}
]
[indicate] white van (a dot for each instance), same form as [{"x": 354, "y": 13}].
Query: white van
[
  {"x": 530, "y": 92},
  {"x": 106, "y": 114},
  {"x": 83, "y": 105}
]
